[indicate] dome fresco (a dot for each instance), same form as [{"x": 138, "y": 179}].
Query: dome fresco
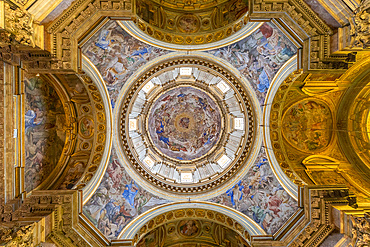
[
  {"x": 184, "y": 123},
  {"x": 188, "y": 127},
  {"x": 143, "y": 172}
]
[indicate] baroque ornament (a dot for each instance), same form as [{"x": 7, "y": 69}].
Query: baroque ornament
[
  {"x": 19, "y": 24},
  {"x": 360, "y": 26},
  {"x": 184, "y": 123}
]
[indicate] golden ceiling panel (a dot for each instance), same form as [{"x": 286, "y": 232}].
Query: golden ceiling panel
[{"x": 191, "y": 22}]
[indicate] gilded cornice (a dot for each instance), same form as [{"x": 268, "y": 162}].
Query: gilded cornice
[
  {"x": 61, "y": 210},
  {"x": 65, "y": 34}
]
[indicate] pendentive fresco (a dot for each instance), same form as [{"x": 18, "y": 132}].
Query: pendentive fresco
[
  {"x": 117, "y": 56},
  {"x": 119, "y": 199},
  {"x": 259, "y": 56},
  {"x": 260, "y": 196}
]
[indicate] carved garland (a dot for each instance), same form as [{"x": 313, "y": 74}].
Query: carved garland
[
  {"x": 196, "y": 189},
  {"x": 18, "y": 27}
]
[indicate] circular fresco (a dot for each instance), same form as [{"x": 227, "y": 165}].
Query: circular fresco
[
  {"x": 184, "y": 123},
  {"x": 188, "y": 23},
  {"x": 307, "y": 125},
  {"x": 189, "y": 228}
]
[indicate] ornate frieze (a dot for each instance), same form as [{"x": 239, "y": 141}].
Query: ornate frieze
[
  {"x": 190, "y": 23},
  {"x": 192, "y": 223}
]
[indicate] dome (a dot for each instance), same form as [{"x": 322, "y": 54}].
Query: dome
[{"x": 186, "y": 128}]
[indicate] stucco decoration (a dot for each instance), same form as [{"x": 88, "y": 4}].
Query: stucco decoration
[
  {"x": 192, "y": 233},
  {"x": 359, "y": 26}
]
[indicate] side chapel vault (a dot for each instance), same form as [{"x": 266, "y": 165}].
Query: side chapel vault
[{"x": 184, "y": 123}]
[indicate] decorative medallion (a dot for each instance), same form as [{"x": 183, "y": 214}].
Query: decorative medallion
[
  {"x": 308, "y": 125},
  {"x": 184, "y": 123},
  {"x": 189, "y": 228},
  {"x": 186, "y": 126},
  {"x": 188, "y": 23},
  {"x": 86, "y": 127}
]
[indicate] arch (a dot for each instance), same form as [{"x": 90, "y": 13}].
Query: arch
[
  {"x": 247, "y": 224},
  {"x": 134, "y": 31},
  {"x": 289, "y": 67},
  {"x": 90, "y": 70}
]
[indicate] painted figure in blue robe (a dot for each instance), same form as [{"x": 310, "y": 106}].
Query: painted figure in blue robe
[
  {"x": 141, "y": 52},
  {"x": 264, "y": 82},
  {"x": 236, "y": 193},
  {"x": 30, "y": 119},
  {"x": 111, "y": 209},
  {"x": 258, "y": 215},
  {"x": 130, "y": 192},
  {"x": 102, "y": 42}
]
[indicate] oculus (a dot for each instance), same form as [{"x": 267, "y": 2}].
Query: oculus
[{"x": 186, "y": 126}]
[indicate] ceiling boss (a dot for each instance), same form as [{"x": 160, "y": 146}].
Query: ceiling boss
[{"x": 187, "y": 128}]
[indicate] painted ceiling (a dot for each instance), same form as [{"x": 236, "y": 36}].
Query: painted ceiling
[{"x": 254, "y": 190}]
